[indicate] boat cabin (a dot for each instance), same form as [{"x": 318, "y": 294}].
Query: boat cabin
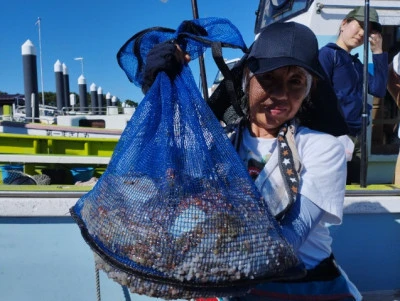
[{"x": 324, "y": 17}]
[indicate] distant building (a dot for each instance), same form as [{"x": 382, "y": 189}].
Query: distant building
[
  {"x": 7, "y": 101},
  {"x": 18, "y": 99}
]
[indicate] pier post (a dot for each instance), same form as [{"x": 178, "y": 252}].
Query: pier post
[
  {"x": 66, "y": 85},
  {"x": 100, "y": 100},
  {"x": 82, "y": 94},
  {"x": 108, "y": 99},
  {"x": 30, "y": 79},
  {"x": 93, "y": 97},
  {"x": 58, "y": 71}
]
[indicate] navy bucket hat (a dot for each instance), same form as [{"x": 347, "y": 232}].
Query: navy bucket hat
[{"x": 285, "y": 44}]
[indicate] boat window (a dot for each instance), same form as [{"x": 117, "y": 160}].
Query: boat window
[
  {"x": 219, "y": 77},
  {"x": 385, "y": 113},
  {"x": 92, "y": 123},
  {"x": 270, "y": 11}
]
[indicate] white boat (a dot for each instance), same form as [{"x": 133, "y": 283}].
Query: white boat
[{"x": 108, "y": 122}]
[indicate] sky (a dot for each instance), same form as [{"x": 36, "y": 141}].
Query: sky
[{"x": 95, "y": 31}]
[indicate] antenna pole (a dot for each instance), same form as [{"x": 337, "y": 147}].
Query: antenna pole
[
  {"x": 80, "y": 59},
  {"x": 364, "y": 115},
  {"x": 40, "y": 57}
]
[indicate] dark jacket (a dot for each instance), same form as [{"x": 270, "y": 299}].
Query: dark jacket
[{"x": 346, "y": 74}]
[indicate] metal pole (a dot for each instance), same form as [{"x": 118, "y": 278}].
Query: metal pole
[
  {"x": 201, "y": 58},
  {"x": 40, "y": 57},
  {"x": 364, "y": 116},
  {"x": 80, "y": 59}
]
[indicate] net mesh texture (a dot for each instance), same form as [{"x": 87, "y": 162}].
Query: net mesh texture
[{"x": 176, "y": 215}]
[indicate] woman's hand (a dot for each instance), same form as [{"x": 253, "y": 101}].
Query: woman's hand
[
  {"x": 167, "y": 57},
  {"x": 375, "y": 42},
  {"x": 181, "y": 56}
]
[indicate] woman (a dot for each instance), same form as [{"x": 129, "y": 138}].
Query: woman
[
  {"x": 345, "y": 71},
  {"x": 278, "y": 78},
  {"x": 394, "y": 90}
]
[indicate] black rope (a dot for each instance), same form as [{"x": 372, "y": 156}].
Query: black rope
[{"x": 216, "y": 48}]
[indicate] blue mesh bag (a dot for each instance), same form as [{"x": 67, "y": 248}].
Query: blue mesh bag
[{"x": 175, "y": 214}]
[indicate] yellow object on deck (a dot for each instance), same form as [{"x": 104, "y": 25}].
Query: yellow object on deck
[
  {"x": 397, "y": 171},
  {"x": 56, "y": 145}
]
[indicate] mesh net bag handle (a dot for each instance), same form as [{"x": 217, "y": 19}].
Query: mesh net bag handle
[{"x": 175, "y": 214}]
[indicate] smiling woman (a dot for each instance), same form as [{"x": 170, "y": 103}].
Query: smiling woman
[
  {"x": 277, "y": 97},
  {"x": 300, "y": 172},
  {"x": 286, "y": 159}
]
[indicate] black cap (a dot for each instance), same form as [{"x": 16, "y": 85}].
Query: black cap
[{"x": 285, "y": 44}]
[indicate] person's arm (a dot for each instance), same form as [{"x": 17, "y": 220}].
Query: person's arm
[
  {"x": 323, "y": 176},
  {"x": 326, "y": 60},
  {"x": 394, "y": 79},
  {"x": 378, "y": 81},
  {"x": 302, "y": 217}
]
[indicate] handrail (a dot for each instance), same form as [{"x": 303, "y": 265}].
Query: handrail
[
  {"x": 346, "y": 4},
  {"x": 54, "y": 159},
  {"x": 366, "y": 192},
  {"x": 42, "y": 194},
  {"x": 69, "y": 194},
  {"x": 56, "y": 202}
]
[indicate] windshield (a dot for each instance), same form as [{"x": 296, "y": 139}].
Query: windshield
[{"x": 270, "y": 11}]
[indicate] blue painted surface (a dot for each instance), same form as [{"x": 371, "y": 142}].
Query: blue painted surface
[
  {"x": 367, "y": 246},
  {"x": 46, "y": 259}
]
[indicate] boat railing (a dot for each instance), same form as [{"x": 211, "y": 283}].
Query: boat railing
[
  {"x": 348, "y": 5},
  {"x": 108, "y": 110},
  {"x": 53, "y": 159},
  {"x": 48, "y": 114}
]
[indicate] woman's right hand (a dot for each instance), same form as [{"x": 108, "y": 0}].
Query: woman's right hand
[{"x": 167, "y": 57}]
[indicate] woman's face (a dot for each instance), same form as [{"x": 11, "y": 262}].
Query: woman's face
[
  {"x": 351, "y": 34},
  {"x": 274, "y": 98}
]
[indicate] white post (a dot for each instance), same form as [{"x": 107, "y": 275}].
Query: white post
[
  {"x": 33, "y": 100},
  {"x": 72, "y": 101}
]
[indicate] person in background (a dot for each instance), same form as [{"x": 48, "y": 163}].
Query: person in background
[
  {"x": 345, "y": 72},
  {"x": 300, "y": 171},
  {"x": 394, "y": 90}
]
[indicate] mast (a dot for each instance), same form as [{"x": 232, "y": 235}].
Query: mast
[
  {"x": 40, "y": 57},
  {"x": 201, "y": 58}
]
